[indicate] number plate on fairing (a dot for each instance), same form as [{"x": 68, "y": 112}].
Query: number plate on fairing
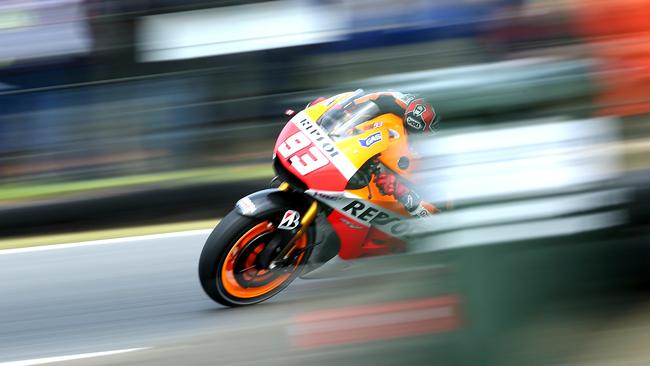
[{"x": 310, "y": 154}]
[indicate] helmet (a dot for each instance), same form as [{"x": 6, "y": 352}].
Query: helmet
[{"x": 420, "y": 117}]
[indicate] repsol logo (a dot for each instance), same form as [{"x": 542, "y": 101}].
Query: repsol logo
[
  {"x": 393, "y": 224},
  {"x": 318, "y": 137}
]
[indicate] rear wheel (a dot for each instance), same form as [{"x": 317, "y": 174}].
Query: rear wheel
[{"x": 228, "y": 267}]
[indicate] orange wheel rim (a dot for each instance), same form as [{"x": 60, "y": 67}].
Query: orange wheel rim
[{"x": 259, "y": 282}]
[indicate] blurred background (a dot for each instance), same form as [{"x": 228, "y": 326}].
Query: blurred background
[
  {"x": 102, "y": 100},
  {"x": 121, "y": 113}
]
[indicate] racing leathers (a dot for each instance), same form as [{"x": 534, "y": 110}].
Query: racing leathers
[{"x": 418, "y": 117}]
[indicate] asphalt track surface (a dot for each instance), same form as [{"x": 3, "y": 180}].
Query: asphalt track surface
[{"x": 63, "y": 301}]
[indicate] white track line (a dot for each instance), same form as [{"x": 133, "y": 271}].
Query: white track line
[
  {"x": 40, "y": 361},
  {"x": 105, "y": 241}
]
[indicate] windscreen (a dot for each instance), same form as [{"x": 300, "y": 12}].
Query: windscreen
[{"x": 341, "y": 119}]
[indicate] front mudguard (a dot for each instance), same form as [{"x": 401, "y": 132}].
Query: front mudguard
[{"x": 269, "y": 201}]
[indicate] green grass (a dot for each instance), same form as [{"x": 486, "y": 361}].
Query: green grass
[
  {"x": 24, "y": 192},
  {"x": 105, "y": 234}
]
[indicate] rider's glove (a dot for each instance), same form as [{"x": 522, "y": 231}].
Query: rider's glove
[{"x": 388, "y": 184}]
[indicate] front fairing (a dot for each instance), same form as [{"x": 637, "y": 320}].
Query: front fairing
[
  {"x": 326, "y": 155},
  {"x": 310, "y": 155}
]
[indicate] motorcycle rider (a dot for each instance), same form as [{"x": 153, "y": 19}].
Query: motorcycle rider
[{"x": 418, "y": 117}]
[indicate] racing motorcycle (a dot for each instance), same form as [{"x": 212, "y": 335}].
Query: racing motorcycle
[{"x": 324, "y": 204}]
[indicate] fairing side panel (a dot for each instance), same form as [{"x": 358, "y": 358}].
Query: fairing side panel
[
  {"x": 351, "y": 233},
  {"x": 364, "y": 212},
  {"x": 398, "y": 147},
  {"x": 380, "y": 243}
]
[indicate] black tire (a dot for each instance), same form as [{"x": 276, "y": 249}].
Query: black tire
[{"x": 216, "y": 249}]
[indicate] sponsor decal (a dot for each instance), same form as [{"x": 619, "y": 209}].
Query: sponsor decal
[
  {"x": 326, "y": 196},
  {"x": 246, "y": 206},
  {"x": 368, "y": 214},
  {"x": 408, "y": 98},
  {"x": 414, "y": 123},
  {"x": 387, "y": 222},
  {"x": 377, "y": 124},
  {"x": 418, "y": 110},
  {"x": 421, "y": 211},
  {"x": 318, "y": 137},
  {"x": 371, "y": 140},
  {"x": 409, "y": 202},
  {"x": 350, "y": 224},
  {"x": 324, "y": 144},
  {"x": 290, "y": 220}
]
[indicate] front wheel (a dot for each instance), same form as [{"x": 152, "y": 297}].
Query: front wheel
[{"x": 228, "y": 267}]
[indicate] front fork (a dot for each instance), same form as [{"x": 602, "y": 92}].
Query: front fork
[{"x": 281, "y": 246}]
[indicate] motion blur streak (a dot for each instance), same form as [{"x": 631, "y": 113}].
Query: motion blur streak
[
  {"x": 237, "y": 29},
  {"x": 533, "y": 158},
  {"x": 375, "y": 322}
]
